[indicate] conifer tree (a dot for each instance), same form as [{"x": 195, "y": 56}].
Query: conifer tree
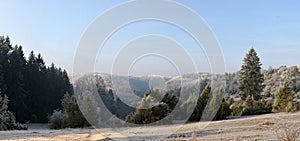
[
  {"x": 250, "y": 77},
  {"x": 5, "y": 48},
  {"x": 151, "y": 110},
  {"x": 218, "y": 107},
  {"x": 75, "y": 118},
  {"x": 284, "y": 98},
  {"x": 201, "y": 104},
  {"x": 7, "y": 118},
  {"x": 15, "y": 82}
]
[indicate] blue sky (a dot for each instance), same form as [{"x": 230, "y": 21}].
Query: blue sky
[{"x": 54, "y": 28}]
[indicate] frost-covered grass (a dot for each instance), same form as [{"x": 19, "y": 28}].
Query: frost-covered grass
[{"x": 262, "y": 127}]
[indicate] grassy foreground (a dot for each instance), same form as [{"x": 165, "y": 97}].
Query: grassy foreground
[{"x": 276, "y": 126}]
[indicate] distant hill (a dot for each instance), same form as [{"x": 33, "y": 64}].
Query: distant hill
[{"x": 274, "y": 78}]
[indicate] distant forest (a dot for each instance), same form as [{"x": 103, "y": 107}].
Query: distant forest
[{"x": 34, "y": 90}]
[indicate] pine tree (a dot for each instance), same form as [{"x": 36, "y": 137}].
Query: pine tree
[
  {"x": 5, "y": 48},
  {"x": 15, "y": 83},
  {"x": 170, "y": 100},
  {"x": 1, "y": 78},
  {"x": 150, "y": 110},
  {"x": 75, "y": 118},
  {"x": 223, "y": 112},
  {"x": 218, "y": 107},
  {"x": 35, "y": 85},
  {"x": 7, "y": 118},
  {"x": 284, "y": 98},
  {"x": 250, "y": 77},
  {"x": 201, "y": 104}
]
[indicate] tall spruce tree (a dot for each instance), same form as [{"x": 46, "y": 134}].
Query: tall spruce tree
[
  {"x": 5, "y": 48},
  {"x": 250, "y": 77},
  {"x": 15, "y": 82}
]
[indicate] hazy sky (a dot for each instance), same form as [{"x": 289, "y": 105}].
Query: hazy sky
[{"x": 54, "y": 28}]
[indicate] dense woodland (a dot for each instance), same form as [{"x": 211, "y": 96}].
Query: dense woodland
[{"x": 32, "y": 92}]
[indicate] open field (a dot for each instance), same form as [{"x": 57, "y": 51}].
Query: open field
[{"x": 262, "y": 127}]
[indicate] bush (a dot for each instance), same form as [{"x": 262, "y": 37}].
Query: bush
[
  {"x": 7, "y": 119},
  {"x": 57, "y": 120},
  {"x": 236, "y": 110},
  {"x": 256, "y": 107},
  {"x": 72, "y": 117}
]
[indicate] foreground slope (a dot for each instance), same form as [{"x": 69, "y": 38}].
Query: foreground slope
[{"x": 262, "y": 127}]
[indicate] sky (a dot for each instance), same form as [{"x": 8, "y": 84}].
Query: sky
[{"x": 54, "y": 29}]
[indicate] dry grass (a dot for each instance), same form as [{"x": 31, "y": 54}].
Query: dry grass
[
  {"x": 287, "y": 131},
  {"x": 279, "y": 126}
]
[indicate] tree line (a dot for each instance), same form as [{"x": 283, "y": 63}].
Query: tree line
[
  {"x": 34, "y": 90},
  {"x": 250, "y": 98}
]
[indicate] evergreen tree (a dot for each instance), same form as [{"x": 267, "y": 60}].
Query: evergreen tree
[
  {"x": 294, "y": 75},
  {"x": 74, "y": 116},
  {"x": 218, "y": 107},
  {"x": 15, "y": 83},
  {"x": 170, "y": 100},
  {"x": 150, "y": 115},
  {"x": 250, "y": 77},
  {"x": 35, "y": 85},
  {"x": 201, "y": 104},
  {"x": 284, "y": 98},
  {"x": 5, "y": 48},
  {"x": 151, "y": 110},
  {"x": 45, "y": 86},
  {"x": 223, "y": 112},
  {"x": 254, "y": 107},
  {"x": 1, "y": 79},
  {"x": 7, "y": 118}
]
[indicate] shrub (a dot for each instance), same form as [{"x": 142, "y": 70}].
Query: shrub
[
  {"x": 72, "y": 117},
  {"x": 256, "y": 107},
  {"x": 236, "y": 110},
  {"x": 57, "y": 120}
]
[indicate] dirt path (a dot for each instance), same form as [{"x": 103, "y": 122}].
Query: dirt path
[{"x": 262, "y": 127}]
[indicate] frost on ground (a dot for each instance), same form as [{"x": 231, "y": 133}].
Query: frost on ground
[{"x": 263, "y": 127}]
